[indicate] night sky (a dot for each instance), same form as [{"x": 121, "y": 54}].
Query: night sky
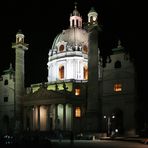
[{"x": 41, "y": 21}]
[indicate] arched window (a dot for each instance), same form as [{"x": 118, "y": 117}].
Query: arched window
[
  {"x": 72, "y": 22},
  {"x": 91, "y": 19},
  {"x": 19, "y": 40},
  {"x": 85, "y": 72},
  {"x": 77, "y": 23},
  {"x": 61, "y": 72},
  {"x": 85, "y": 49},
  {"x": 6, "y": 82},
  {"x": 77, "y": 91},
  {"x": 61, "y": 48},
  {"x": 78, "y": 112},
  {"x": 117, "y": 64},
  {"x": 117, "y": 87}
]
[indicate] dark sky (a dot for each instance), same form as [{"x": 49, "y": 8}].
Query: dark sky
[{"x": 42, "y": 20}]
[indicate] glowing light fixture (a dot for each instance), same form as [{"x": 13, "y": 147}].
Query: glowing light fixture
[
  {"x": 77, "y": 91},
  {"x": 117, "y": 87},
  {"x": 78, "y": 112}
]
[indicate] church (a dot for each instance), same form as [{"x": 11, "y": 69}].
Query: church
[{"x": 80, "y": 94}]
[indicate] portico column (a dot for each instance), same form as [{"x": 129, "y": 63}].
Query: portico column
[
  {"x": 31, "y": 110},
  {"x": 56, "y": 116},
  {"x": 48, "y": 117},
  {"x": 64, "y": 116},
  {"x": 72, "y": 117},
  {"x": 24, "y": 119},
  {"x": 38, "y": 107}
]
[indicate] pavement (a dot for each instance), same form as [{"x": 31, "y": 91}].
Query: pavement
[
  {"x": 66, "y": 143},
  {"x": 85, "y": 138},
  {"x": 131, "y": 139}
]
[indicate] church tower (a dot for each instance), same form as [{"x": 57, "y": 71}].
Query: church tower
[
  {"x": 20, "y": 48},
  {"x": 93, "y": 99}
]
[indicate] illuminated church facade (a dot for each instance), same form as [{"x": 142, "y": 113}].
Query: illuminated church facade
[{"x": 80, "y": 94}]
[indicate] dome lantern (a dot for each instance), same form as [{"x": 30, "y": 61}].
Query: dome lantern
[{"x": 75, "y": 18}]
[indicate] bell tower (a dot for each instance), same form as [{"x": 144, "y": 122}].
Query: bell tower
[
  {"x": 93, "y": 99},
  {"x": 20, "y": 48}
]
